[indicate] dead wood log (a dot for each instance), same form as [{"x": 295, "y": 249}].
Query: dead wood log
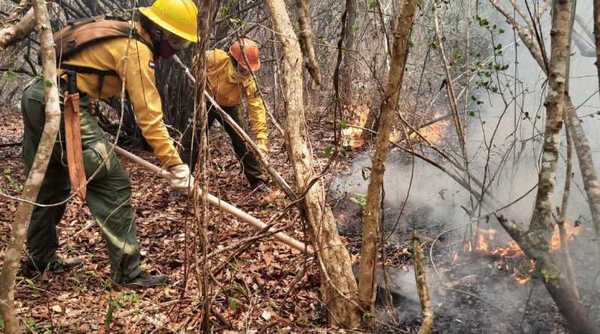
[
  {"x": 338, "y": 285},
  {"x": 14, "y": 33},
  {"x": 37, "y": 172},
  {"x": 372, "y": 218},
  {"x": 422, "y": 289}
]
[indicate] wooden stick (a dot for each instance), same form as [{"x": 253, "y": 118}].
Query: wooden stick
[
  {"x": 422, "y": 289},
  {"x": 215, "y": 201}
]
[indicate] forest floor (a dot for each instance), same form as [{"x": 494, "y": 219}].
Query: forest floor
[
  {"x": 258, "y": 287},
  {"x": 261, "y": 287}
]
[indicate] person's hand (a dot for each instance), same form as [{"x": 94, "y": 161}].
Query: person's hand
[
  {"x": 263, "y": 146},
  {"x": 181, "y": 180}
]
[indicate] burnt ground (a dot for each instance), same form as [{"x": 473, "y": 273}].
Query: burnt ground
[{"x": 471, "y": 292}]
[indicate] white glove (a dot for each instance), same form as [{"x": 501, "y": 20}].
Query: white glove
[{"x": 181, "y": 179}]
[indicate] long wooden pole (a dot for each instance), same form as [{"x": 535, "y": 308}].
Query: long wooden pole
[{"x": 213, "y": 200}]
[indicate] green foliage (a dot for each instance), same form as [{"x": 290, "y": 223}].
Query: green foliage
[
  {"x": 113, "y": 305},
  {"x": 38, "y": 328},
  {"x": 12, "y": 182},
  {"x": 9, "y": 76},
  {"x": 372, "y": 4},
  {"x": 328, "y": 151},
  {"x": 233, "y": 304},
  {"x": 360, "y": 199},
  {"x": 129, "y": 298},
  {"x": 343, "y": 124}
]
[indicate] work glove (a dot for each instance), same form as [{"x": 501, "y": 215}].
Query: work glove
[
  {"x": 181, "y": 179},
  {"x": 263, "y": 146}
]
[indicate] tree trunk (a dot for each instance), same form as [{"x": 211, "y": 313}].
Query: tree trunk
[
  {"x": 591, "y": 184},
  {"x": 307, "y": 40},
  {"x": 18, "y": 31},
  {"x": 348, "y": 63},
  {"x": 597, "y": 34},
  {"x": 338, "y": 285},
  {"x": 372, "y": 217},
  {"x": 36, "y": 174},
  {"x": 535, "y": 242}
]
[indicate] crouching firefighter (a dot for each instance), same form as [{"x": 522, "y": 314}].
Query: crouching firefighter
[
  {"x": 98, "y": 56},
  {"x": 229, "y": 78}
]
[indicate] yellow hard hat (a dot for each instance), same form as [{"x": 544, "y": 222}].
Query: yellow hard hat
[{"x": 179, "y": 17}]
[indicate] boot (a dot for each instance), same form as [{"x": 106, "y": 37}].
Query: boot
[
  {"x": 144, "y": 280},
  {"x": 30, "y": 269}
]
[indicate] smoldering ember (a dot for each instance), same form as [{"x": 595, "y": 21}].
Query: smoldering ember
[{"x": 358, "y": 166}]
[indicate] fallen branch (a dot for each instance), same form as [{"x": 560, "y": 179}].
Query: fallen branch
[
  {"x": 242, "y": 215},
  {"x": 422, "y": 289},
  {"x": 18, "y": 31}
]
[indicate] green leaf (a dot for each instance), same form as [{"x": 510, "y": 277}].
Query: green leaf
[
  {"x": 48, "y": 83},
  {"x": 328, "y": 151},
  {"x": 233, "y": 304},
  {"x": 10, "y": 75},
  {"x": 344, "y": 124},
  {"x": 360, "y": 199},
  {"x": 372, "y": 4}
]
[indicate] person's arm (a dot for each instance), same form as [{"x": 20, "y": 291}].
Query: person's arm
[
  {"x": 137, "y": 71},
  {"x": 256, "y": 114}
]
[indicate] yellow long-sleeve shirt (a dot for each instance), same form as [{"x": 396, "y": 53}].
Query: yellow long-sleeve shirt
[
  {"x": 227, "y": 86},
  {"x": 133, "y": 61}
]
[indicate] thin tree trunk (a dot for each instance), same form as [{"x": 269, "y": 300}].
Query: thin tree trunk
[
  {"x": 348, "y": 63},
  {"x": 199, "y": 200},
  {"x": 307, "y": 40},
  {"x": 372, "y": 217},
  {"x": 36, "y": 174},
  {"x": 597, "y": 34},
  {"x": 583, "y": 150},
  {"x": 18, "y": 31},
  {"x": 338, "y": 285}
]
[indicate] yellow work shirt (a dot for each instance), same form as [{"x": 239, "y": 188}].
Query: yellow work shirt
[
  {"x": 133, "y": 61},
  {"x": 227, "y": 86}
]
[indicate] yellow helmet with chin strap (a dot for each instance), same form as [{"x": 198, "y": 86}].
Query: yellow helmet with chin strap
[{"x": 179, "y": 17}]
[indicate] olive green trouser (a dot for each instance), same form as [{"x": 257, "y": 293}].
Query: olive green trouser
[
  {"x": 108, "y": 189},
  {"x": 247, "y": 158}
]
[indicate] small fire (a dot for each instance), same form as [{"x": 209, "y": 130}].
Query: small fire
[
  {"x": 433, "y": 133},
  {"x": 353, "y": 131},
  {"x": 512, "y": 252}
]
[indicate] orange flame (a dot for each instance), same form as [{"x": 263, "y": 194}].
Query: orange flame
[{"x": 485, "y": 237}]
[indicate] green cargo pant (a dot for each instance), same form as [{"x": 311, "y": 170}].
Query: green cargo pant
[
  {"x": 108, "y": 191},
  {"x": 250, "y": 164}
]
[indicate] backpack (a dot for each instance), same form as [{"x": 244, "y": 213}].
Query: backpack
[{"x": 83, "y": 33}]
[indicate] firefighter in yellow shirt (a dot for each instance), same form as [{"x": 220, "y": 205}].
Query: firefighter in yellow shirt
[
  {"x": 229, "y": 79},
  {"x": 100, "y": 68}
]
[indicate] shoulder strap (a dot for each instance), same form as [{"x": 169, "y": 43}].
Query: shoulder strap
[{"x": 83, "y": 33}]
